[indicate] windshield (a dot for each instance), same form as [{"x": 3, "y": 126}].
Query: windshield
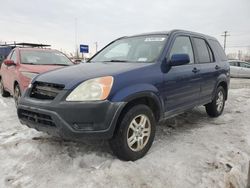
[
  {"x": 39, "y": 57},
  {"x": 133, "y": 49}
]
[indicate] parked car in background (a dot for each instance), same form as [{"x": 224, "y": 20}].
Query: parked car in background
[
  {"x": 239, "y": 69},
  {"x": 4, "y": 52},
  {"x": 23, "y": 64},
  {"x": 129, "y": 86},
  {"x": 76, "y": 60},
  {"x": 1, "y": 60}
]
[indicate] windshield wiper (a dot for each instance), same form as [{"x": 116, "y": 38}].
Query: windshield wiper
[
  {"x": 57, "y": 64},
  {"x": 44, "y": 64},
  {"x": 116, "y": 60},
  {"x": 28, "y": 63}
]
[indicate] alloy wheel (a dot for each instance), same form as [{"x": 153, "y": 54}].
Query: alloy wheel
[
  {"x": 139, "y": 131},
  {"x": 220, "y": 101},
  {"x": 17, "y": 95}
]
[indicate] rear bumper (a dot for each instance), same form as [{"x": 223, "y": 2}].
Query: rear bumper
[{"x": 71, "y": 120}]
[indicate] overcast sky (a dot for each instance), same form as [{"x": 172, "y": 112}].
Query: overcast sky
[{"x": 54, "y": 21}]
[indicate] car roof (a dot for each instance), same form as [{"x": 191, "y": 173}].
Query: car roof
[
  {"x": 35, "y": 49},
  {"x": 235, "y": 60},
  {"x": 176, "y": 31}
]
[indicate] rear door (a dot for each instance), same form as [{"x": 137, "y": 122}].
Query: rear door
[
  {"x": 234, "y": 68},
  {"x": 209, "y": 68},
  {"x": 244, "y": 70},
  {"x": 181, "y": 83}
]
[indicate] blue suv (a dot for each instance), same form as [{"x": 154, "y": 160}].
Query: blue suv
[{"x": 127, "y": 88}]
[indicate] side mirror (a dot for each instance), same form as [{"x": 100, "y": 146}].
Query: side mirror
[
  {"x": 179, "y": 59},
  {"x": 9, "y": 62}
]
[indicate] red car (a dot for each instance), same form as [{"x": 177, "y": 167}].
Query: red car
[{"x": 23, "y": 64}]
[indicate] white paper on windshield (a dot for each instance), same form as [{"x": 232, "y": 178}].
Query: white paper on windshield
[
  {"x": 58, "y": 54},
  {"x": 142, "y": 59},
  {"x": 155, "y": 39}
]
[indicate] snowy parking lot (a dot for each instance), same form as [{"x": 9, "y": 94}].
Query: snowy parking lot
[{"x": 190, "y": 150}]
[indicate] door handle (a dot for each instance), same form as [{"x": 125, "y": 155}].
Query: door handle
[
  {"x": 217, "y": 67},
  {"x": 195, "y": 70}
]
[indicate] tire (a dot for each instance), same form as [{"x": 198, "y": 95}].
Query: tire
[
  {"x": 140, "y": 133},
  {"x": 17, "y": 94},
  {"x": 2, "y": 91},
  {"x": 216, "y": 107}
]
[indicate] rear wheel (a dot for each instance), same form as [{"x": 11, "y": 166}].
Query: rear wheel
[
  {"x": 17, "y": 94},
  {"x": 216, "y": 107},
  {"x": 2, "y": 91},
  {"x": 135, "y": 133}
]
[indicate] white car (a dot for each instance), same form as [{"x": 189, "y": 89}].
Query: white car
[{"x": 240, "y": 69}]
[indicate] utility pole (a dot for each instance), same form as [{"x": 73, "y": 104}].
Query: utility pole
[
  {"x": 96, "y": 47},
  {"x": 248, "y": 179},
  {"x": 225, "y": 35},
  {"x": 76, "y": 46},
  {"x": 240, "y": 55}
]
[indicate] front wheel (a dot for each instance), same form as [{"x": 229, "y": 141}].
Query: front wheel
[
  {"x": 2, "y": 91},
  {"x": 216, "y": 107},
  {"x": 135, "y": 133}
]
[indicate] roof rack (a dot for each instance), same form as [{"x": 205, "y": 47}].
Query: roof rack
[
  {"x": 24, "y": 44},
  {"x": 6, "y": 48}
]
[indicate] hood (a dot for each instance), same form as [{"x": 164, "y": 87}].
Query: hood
[
  {"x": 38, "y": 68},
  {"x": 73, "y": 75}
]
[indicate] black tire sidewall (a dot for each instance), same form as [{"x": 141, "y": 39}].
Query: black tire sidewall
[
  {"x": 125, "y": 152},
  {"x": 211, "y": 108},
  {"x": 3, "y": 93},
  {"x": 1, "y": 87}
]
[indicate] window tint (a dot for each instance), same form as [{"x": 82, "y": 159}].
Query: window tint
[
  {"x": 44, "y": 57},
  {"x": 182, "y": 45},
  {"x": 133, "y": 49},
  {"x": 204, "y": 53},
  {"x": 233, "y": 63},
  {"x": 211, "y": 55},
  {"x": 219, "y": 50},
  {"x": 121, "y": 50},
  {"x": 245, "y": 65},
  {"x": 13, "y": 56}
]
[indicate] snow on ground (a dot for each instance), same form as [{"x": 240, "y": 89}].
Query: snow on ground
[{"x": 190, "y": 150}]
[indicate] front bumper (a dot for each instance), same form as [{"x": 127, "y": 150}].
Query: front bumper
[{"x": 70, "y": 120}]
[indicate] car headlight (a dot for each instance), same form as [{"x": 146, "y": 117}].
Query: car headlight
[
  {"x": 29, "y": 75},
  {"x": 92, "y": 90}
]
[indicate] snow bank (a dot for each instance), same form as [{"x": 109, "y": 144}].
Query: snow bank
[{"x": 190, "y": 150}]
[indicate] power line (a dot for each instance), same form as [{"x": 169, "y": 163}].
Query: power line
[{"x": 225, "y": 35}]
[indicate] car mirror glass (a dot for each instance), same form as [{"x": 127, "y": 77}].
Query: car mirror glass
[{"x": 179, "y": 59}]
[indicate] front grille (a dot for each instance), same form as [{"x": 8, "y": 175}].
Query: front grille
[
  {"x": 36, "y": 117},
  {"x": 45, "y": 91}
]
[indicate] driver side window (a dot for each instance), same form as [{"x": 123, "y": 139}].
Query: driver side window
[
  {"x": 182, "y": 45},
  {"x": 13, "y": 56}
]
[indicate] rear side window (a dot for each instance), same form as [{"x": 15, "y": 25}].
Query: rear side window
[
  {"x": 205, "y": 54},
  {"x": 182, "y": 45},
  {"x": 217, "y": 47}
]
